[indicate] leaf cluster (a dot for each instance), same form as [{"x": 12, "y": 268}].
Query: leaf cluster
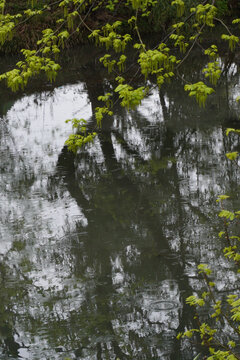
[{"x": 82, "y": 137}]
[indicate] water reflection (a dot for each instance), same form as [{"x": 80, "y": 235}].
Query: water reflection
[{"x": 98, "y": 250}]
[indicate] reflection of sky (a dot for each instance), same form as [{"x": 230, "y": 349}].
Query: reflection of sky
[
  {"x": 156, "y": 313},
  {"x": 35, "y": 136},
  {"x": 34, "y": 131},
  {"x": 37, "y": 123},
  {"x": 148, "y": 104}
]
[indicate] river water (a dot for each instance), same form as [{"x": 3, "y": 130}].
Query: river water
[{"x": 99, "y": 250}]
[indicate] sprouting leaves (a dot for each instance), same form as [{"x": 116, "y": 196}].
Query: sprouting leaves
[
  {"x": 200, "y": 91},
  {"x": 142, "y": 4},
  {"x": 107, "y": 62},
  {"x": 205, "y": 14},
  {"x": 227, "y": 214},
  {"x": 110, "y": 38},
  {"x": 229, "y": 130},
  {"x": 179, "y": 42},
  {"x": 220, "y": 198},
  {"x": 32, "y": 65},
  {"x": 62, "y": 37},
  {"x": 100, "y": 112},
  {"x": 30, "y": 12},
  {"x": 107, "y": 99},
  {"x": 212, "y": 71},
  {"x": 232, "y": 155},
  {"x": 158, "y": 62},
  {"x": 2, "y": 5},
  {"x": 236, "y": 21},
  {"x": 218, "y": 309},
  {"x": 6, "y": 30},
  {"x": 180, "y": 6},
  {"x": 232, "y": 40},
  {"x": 203, "y": 268},
  {"x": 104, "y": 110},
  {"x": 81, "y": 137},
  {"x": 121, "y": 62},
  {"x": 48, "y": 42},
  {"x": 212, "y": 52},
  {"x": 231, "y": 253},
  {"x": 70, "y": 19},
  {"x": 232, "y": 344},
  {"x": 130, "y": 98},
  {"x": 194, "y": 300}
]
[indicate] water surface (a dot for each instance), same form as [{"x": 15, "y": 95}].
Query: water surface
[{"x": 99, "y": 250}]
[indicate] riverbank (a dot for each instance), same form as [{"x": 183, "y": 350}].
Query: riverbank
[{"x": 28, "y": 30}]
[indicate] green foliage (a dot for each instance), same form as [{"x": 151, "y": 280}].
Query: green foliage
[
  {"x": 7, "y": 25},
  {"x": 230, "y": 130},
  {"x": 160, "y": 62},
  {"x": 32, "y": 66},
  {"x": 104, "y": 110},
  {"x": 232, "y": 40},
  {"x": 179, "y": 42},
  {"x": 212, "y": 52},
  {"x": 121, "y": 63},
  {"x": 81, "y": 137},
  {"x": 236, "y": 21},
  {"x": 109, "y": 64},
  {"x": 110, "y": 38},
  {"x": 205, "y": 14},
  {"x": 194, "y": 300},
  {"x": 180, "y": 7},
  {"x": 115, "y": 35},
  {"x": 222, "y": 197},
  {"x": 107, "y": 99},
  {"x": 142, "y": 4},
  {"x": 100, "y": 112},
  {"x": 2, "y": 6},
  {"x": 203, "y": 269},
  {"x": 130, "y": 98},
  {"x": 232, "y": 156},
  {"x": 157, "y": 62},
  {"x": 212, "y": 72},
  {"x": 200, "y": 91},
  {"x": 227, "y": 214},
  {"x": 30, "y": 12},
  {"x": 62, "y": 38}
]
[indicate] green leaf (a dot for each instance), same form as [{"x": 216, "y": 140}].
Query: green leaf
[
  {"x": 203, "y": 268},
  {"x": 232, "y": 155},
  {"x": 200, "y": 91},
  {"x": 229, "y": 130},
  {"x": 227, "y": 214},
  {"x": 222, "y": 197},
  {"x": 221, "y": 233}
]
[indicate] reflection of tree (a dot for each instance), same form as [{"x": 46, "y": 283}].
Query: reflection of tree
[
  {"x": 113, "y": 210},
  {"x": 13, "y": 290},
  {"x": 126, "y": 274},
  {"x": 116, "y": 204},
  {"x": 120, "y": 200}
]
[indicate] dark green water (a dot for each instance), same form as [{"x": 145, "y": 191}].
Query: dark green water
[{"x": 98, "y": 251}]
